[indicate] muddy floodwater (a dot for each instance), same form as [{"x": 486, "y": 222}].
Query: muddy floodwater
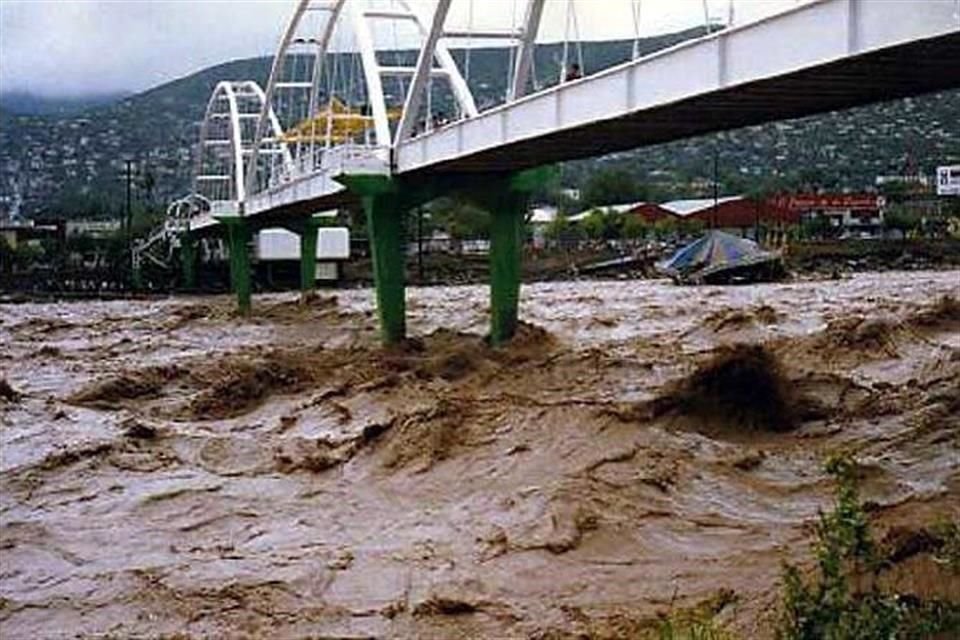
[{"x": 168, "y": 470}]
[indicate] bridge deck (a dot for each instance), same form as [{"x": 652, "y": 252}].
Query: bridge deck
[
  {"x": 817, "y": 57},
  {"x": 829, "y": 55}
]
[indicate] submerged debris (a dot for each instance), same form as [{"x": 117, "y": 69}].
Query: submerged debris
[
  {"x": 8, "y": 393},
  {"x": 741, "y": 386}
]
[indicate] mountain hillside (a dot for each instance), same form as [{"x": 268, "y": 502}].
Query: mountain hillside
[
  {"x": 72, "y": 164},
  {"x": 22, "y": 103}
]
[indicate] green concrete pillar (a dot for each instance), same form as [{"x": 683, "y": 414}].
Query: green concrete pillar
[
  {"x": 188, "y": 261},
  {"x": 136, "y": 277},
  {"x": 505, "y": 198},
  {"x": 238, "y": 243},
  {"x": 308, "y": 260},
  {"x": 308, "y": 256},
  {"x": 506, "y": 242},
  {"x": 384, "y": 210}
]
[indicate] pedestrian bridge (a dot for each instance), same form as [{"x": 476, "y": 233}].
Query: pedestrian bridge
[{"x": 332, "y": 128}]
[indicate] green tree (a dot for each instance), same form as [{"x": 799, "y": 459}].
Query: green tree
[
  {"x": 594, "y": 224},
  {"x": 665, "y": 227},
  {"x": 634, "y": 227},
  {"x": 612, "y": 186},
  {"x": 690, "y": 226},
  {"x": 901, "y": 219},
  {"x": 816, "y": 228},
  {"x": 558, "y": 227},
  {"x": 460, "y": 218}
]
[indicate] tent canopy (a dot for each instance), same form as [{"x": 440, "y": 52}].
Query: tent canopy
[{"x": 714, "y": 253}]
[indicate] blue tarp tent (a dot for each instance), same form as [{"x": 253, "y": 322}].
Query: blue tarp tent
[{"x": 720, "y": 257}]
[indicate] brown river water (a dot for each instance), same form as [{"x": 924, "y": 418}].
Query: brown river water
[{"x": 172, "y": 471}]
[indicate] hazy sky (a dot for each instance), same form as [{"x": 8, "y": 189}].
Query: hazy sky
[{"x": 71, "y": 47}]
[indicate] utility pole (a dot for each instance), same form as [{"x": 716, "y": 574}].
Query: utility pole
[
  {"x": 716, "y": 182},
  {"x": 420, "y": 243},
  {"x": 129, "y": 210}
]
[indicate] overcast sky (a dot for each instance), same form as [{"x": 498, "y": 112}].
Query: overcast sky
[{"x": 75, "y": 47}]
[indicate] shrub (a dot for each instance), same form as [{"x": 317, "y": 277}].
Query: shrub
[{"x": 828, "y": 607}]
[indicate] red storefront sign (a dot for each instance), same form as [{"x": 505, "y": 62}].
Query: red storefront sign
[{"x": 812, "y": 202}]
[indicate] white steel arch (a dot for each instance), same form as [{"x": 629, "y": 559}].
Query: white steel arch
[
  {"x": 226, "y": 139},
  {"x": 434, "y": 59}
]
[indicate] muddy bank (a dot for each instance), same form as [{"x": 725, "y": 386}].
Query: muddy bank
[{"x": 168, "y": 469}]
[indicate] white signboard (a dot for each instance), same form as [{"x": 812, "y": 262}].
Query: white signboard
[{"x": 948, "y": 180}]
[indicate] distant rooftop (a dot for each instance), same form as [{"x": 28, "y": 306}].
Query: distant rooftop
[
  {"x": 607, "y": 209},
  {"x": 690, "y": 207},
  {"x": 543, "y": 215}
]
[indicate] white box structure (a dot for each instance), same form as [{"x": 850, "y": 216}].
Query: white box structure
[
  {"x": 948, "y": 180},
  {"x": 333, "y": 243}
]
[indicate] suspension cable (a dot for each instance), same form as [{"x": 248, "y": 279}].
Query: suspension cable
[
  {"x": 637, "y": 8},
  {"x": 397, "y": 56},
  {"x": 571, "y": 22},
  {"x": 566, "y": 44},
  {"x": 576, "y": 33},
  {"x": 331, "y": 80},
  {"x": 466, "y": 64},
  {"x": 513, "y": 51}
]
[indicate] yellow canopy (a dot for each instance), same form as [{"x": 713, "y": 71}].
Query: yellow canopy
[{"x": 344, "y": 122}]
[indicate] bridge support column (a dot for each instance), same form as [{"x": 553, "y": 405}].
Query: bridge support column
[
  {"x": 136, "y": 277},
  {"x": 506, "y": 229},
  {"x": 238, "y": 243},
  {"x": 385, "y": 213},
  {"x": 188, "y": 261},
  {"x": 307, "y": 231},
  {"x": 506, "y": 201}
]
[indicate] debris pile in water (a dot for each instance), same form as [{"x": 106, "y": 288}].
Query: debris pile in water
[
  {"x": 8, "y": 393},
  {"x": 742, "y": 385}
]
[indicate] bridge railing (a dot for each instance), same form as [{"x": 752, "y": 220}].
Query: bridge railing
[{"x": 332, "y": 161}]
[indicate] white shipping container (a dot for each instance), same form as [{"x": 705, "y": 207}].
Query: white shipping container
[{"x": 333, "y": 243}]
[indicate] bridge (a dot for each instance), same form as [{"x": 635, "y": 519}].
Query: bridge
[{"x": 326, "y": 132}]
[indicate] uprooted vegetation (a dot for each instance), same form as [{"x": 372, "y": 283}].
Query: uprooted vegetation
[
  {"x": 741, "y": 386},
  {"x": 8, "y": 393},
  {"x": 845, "y": 598}
]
